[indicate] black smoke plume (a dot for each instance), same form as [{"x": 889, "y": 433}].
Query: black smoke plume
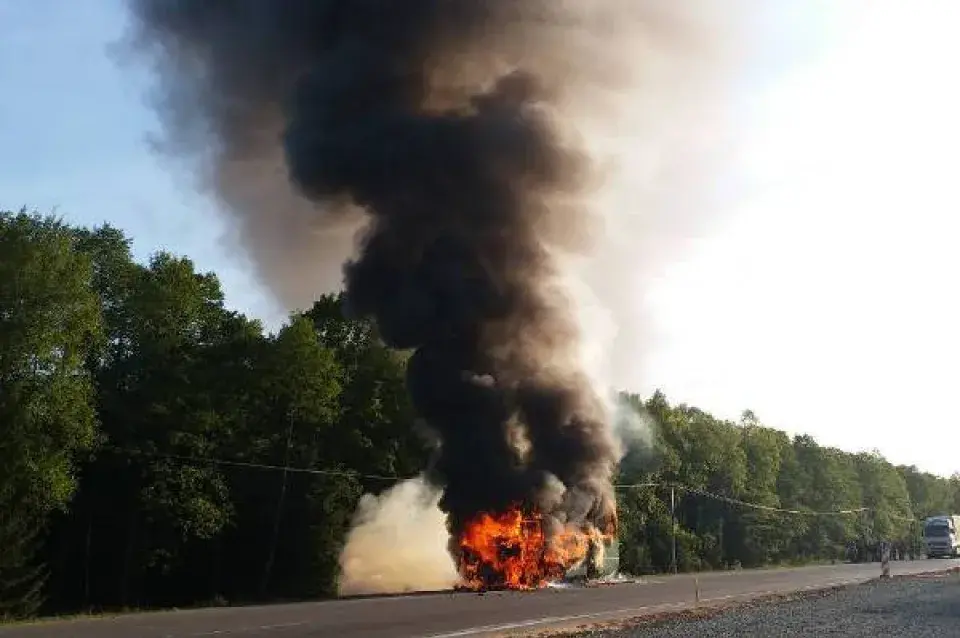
[{"x": 439, "y": 123}]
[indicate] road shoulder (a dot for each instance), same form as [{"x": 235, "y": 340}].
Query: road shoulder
[{"x": 689, "y": 619}]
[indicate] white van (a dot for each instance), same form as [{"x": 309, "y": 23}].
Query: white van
[{"x": 940, "y": 536}]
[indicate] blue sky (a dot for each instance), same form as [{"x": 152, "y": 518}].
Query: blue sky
[{"x": 73, "y": 129}]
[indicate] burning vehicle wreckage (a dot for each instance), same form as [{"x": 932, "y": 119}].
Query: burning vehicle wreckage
[
  {"x": 439, "y": 129},
  {"x": 515, "y": 550}
]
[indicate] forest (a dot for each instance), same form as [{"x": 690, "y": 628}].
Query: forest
[{"x": 145, "y": 428}]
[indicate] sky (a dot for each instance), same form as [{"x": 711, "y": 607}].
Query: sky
[{"x": 823, "y": 301}]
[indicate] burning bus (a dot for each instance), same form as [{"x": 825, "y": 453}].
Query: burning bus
[{"x": 522, "y": 550}]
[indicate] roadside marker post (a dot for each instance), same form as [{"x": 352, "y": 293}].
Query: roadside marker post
[{"x": 885, "y": 560}]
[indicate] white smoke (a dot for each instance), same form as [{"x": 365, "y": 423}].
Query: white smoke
[
  {"x": 633, "y": 428},
  {"x": 656, "y": 123},
  {"x": 665, "y": 131},
  {"x": 398, "y": 543}
]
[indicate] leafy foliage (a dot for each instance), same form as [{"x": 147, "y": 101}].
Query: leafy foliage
[
  {"x": 125, "y": 386},
  {"x": 747, "y": 495},
  {"x": 49, "y": 320}
]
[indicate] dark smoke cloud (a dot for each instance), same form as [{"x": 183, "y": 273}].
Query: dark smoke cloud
[{"x": 434, "y": 123}]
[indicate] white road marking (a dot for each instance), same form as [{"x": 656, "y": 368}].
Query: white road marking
[
  {"x": 246, "y": 630},
  {"x": 549, "y": 620}
]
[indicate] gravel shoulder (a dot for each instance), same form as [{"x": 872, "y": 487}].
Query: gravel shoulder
[{"x": 915, "y": 607}]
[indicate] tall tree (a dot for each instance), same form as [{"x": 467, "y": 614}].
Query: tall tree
[
  {"x": 142, "y": 505},
  {"x": 884, "y": 491},
  {"x": 302, "y": 382},
  {"x": 49, "y": 321},
  {"x": 758, "y": 536},
  {"x": 377, "y": 419}
]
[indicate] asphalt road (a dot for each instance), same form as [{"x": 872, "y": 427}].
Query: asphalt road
[{"x": 455, "y": 615}]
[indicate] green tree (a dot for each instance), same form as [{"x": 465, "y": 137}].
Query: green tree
[
  {"x": 144, "y": 506},
  {"x": 49, "y": 319},
  {"x": 929, "y": 494},
  {"x": 302, "y": 382},
  {"x": 885, "y": 493},
  {"x": 833, "y": 486},
  {"x": 377, "y": 419},
  {"x": 760, "y": 536}
]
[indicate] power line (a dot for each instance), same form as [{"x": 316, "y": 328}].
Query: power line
[
  {"x": 769, "y": 508},
  {"x": 758, "y": 506},
  {"x": 395, "y": 478},
  {"x": 258, "y": 466}
]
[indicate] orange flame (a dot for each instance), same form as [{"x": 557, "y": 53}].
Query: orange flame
[{"x": 513, "y": 550}]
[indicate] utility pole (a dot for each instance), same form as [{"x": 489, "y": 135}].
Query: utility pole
[
  {"x": 86, "y": 557},
  {"x": 720, "y": 541},
  {"x": 275, "y": 537},
  {"x": 673, "y": 530}
]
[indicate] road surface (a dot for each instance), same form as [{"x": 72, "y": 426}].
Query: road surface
[{"x": 456, "y": 615}]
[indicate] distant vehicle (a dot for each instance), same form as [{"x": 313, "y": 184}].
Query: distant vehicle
[{"x": 940, "y": 536}]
